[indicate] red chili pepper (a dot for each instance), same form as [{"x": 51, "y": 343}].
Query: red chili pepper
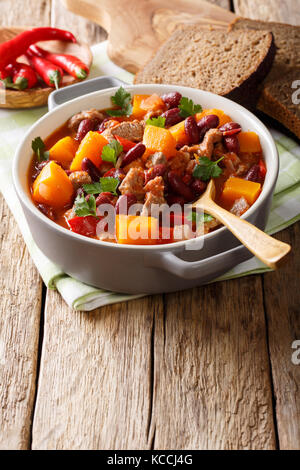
[
  {"x": 126, "y": 144},
  {"x": 69, "y": 63},
  {"x": 23, "y": 75},
  {"x": 50, "y": 73},
  {"x": 84, "y": 225},
  {"x": 12, "y": 49}
]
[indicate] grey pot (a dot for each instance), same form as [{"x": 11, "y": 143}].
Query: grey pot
[{"x": 128, "y": 268}]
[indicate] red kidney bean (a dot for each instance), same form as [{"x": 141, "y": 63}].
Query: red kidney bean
[
  {"x": 38, "y": 168},
  {"x": 230, "y": 128},
  {"x": 232, "y": 143},
  {"x": 46, "y": 210},
  {"x": 104, "y": 198},
  {"x": 172, "y": 117},
  {"x": 172, "y": 100},
  {"x": 254, "y": 174},
  {"x": 88, "y": 166},
  {"x": 101, "y": 126},
  {"x": 84, "y": 127},
  {"x": 198, "y": 187},
  {"x": 211, "y": 121},
  {"x": 157, "y": 170},
  {"x": 174, "y": 199},
  {"x": 179, "y": 187},
  {"x": 133, "y": 154},
  {"x": 124, "y": 203},
  {"x": 192, "y": 130}
]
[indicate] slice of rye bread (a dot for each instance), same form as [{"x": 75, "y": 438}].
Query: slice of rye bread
[
  {"x": 231, "y": 64},
  {"x": 287, "y": 41},
  {"x": 276, "y": 95},
  {"x": 279, "y": 100}
]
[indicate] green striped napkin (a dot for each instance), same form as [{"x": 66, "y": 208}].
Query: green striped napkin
[{"x": 14, "y": 123}]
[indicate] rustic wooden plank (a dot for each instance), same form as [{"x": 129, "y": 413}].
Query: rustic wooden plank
[
  {"x": 21, "y": 293},
  {"x": 21, "y": 290},
  {"x": 284, "y": 11},
  {"x": 95, "y": 377},
  {"x": 282, "y": 300},
  {"x": 281, "y": 289},
  {"x": 84, "y": 30},
  {"x": 25, "y": 12},
  {"x": 211, "y": 374}
]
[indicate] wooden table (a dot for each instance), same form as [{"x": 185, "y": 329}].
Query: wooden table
[{"x": 206, "y": 368}]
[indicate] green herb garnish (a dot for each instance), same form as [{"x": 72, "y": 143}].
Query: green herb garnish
[
  {"x": 122, "y": 99},
  {"x": 105, "y": 185},
  {"x": 199, "y": 218},
  {"x": 207, "y": 169},
  {"x": 111, "y": 151},
  {"x": 38, "y": 146},
  {"x": 85, "y": 207},
  {"x": 188, "y": 108},
  {"x": 159, "y": 121}
]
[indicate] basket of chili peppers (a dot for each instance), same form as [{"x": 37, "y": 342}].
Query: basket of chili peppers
[{"x": 34, "y": 62}]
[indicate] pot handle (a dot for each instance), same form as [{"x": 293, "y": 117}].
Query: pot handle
[
  {"x": 88, "y": 86},
  {"x": 208, "y": 267}
]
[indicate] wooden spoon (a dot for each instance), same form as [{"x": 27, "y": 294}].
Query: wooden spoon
[{"x": 269, "y": 250}]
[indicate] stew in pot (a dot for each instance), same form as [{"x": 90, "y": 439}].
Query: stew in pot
[{"x": 128, "y": 174}]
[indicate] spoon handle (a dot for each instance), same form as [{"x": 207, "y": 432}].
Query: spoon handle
[{"x": 269, "y": 250}]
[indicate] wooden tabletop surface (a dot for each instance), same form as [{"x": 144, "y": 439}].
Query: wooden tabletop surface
[{"x": 208, "y": 368}]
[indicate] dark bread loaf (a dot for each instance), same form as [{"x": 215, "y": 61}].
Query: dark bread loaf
[
  {"x": 229, "y": 64},
  {"x": 279, "y": 100},
  {"x": 276, "y": 95}
]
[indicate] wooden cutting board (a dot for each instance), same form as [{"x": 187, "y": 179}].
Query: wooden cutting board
[{"x": 136, "y": 28}]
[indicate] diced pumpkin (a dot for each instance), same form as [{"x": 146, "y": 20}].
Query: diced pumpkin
[
  {"x": 158, "y": 139},
  {"x": 137, "y": 111},
  {"x": 53, "y": 186},
  {"x": 153, "y": 103},
  {"x": 64, "y": 150},
  {"x": 235, "y": 188},
  {"x": 224, "y": 118},
  {"x": 137, "y": 230},
  {"x": 249, "y": 142},
  {"x": 90, "y": 147},
  {"x": 179, "y": 134}
]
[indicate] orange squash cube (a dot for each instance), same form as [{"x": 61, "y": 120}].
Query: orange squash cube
[
  {"x": 249, "y": 142},
  {"x": 90, "y": 147},
  {"x": 137, "y": 230},
  {"x": 153, "y": 103},
  {"x": 64, "y": 150},
  {"x": 53, "y": 186},
  {"x": 235, "y": 188},
  {"x": 179, "y": 134},
  {"x": 158, "y": 139},
  {"x": 224, "y": 118},
  {"x": 137, "y": 111}
]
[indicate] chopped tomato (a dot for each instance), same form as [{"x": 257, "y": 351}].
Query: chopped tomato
[
  {"x": 262, "y": 168},
  {"x": 126, "y": 144},
  {"x": 84, "y": 225}
]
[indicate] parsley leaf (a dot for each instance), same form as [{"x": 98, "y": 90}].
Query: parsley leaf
[
  {"x": 85, "y": 207},
  {"x": 106, "y": 184},
  {"x": 159, "y": 121},
  {"x": 199, "y": 218},
  {"x": 122, "y": 99},
  {"x": 38, "y": 146},
  {"x": 188, "y": 108},
  {"x": 111, "y": 151},
  {"x": 207, "y": 169}
]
